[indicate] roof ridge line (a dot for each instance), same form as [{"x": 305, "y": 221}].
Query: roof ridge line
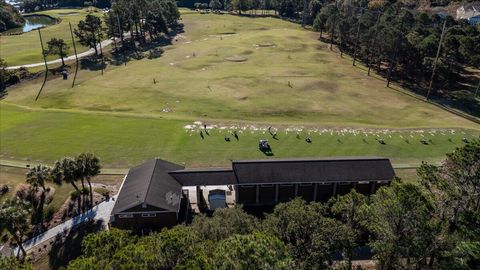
[{"x": 150, "y": 181}]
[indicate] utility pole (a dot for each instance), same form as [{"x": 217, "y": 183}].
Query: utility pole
[
  {"x": 76, "y": 57},
  {"x": 46, "y": 65},
  {"x": 356, "y": 39},
  {"x": 436, "y": 59}
]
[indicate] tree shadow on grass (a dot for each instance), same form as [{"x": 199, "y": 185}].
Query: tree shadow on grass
[
  {"x": 151, "y": 49},
  {"x": 92, "y": 63},
  {"x": 68, "y": 246}
]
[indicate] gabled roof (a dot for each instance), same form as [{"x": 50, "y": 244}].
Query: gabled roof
[
  {"x": 151, "y": 185},
  {"x": 157, "y": 184},
  {"x": 349, "y": 169},
  {"x": 199, "y": 177}
]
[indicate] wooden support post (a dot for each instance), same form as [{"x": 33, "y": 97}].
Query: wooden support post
[
  {"x": 257, "y": 194},
  {"x": 334, "y": 189},
  {"x": 276, "y": 193},
  {"x": 296, "y": 190},
  {"x": 315, "y": 188},
  {"x": 372, "y": 187}
]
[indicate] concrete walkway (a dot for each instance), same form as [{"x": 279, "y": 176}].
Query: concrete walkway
[
  {"x": 100, "y": 212},
  {"x": 69, "y": 58}
]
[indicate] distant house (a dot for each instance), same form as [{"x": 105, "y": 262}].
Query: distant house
[
  {"x": 151, "y": 194},
  {"x": 469, "y": 12}
]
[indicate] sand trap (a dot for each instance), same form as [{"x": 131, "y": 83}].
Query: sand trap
[
  {"x": 67, "y": 13},
  {"x": 264, "y": 44},
  {"x": 236, "y": 58}
]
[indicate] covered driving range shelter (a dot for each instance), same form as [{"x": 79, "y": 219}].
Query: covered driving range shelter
[{"x": 151, "y": 195}]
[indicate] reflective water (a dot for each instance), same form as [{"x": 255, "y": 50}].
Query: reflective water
[{"x": 32, "y": 23}]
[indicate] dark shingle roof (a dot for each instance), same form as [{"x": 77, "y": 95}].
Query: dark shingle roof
[
  {"x": 199, "y": 177},
  {"x": 350, "y": 169},
  {"x": 158, "y": 183},
  {"x": 151, "y": 184}
]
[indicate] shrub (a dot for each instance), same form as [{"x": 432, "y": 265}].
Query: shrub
[
  {"x": 4, "y": 189},
  {"x": 48, "y": 214},
  {"x": 73, "y": 195}
]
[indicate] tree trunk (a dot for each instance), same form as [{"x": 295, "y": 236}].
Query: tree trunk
[
  {"x": 91, "y": 193},
  {"x": 79, "y": 201},
  {"x": 18, "y": 239},
  {"x": 82, "y": 193}
]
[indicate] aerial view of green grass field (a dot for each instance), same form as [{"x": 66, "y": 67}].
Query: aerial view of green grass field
[
  {"x": 229, "y": 73},
  {"x": 238, "y": 135}
]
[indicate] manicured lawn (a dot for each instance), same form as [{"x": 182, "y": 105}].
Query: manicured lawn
[
  {"x": 291, "y": 80},
  {"x": 26, "y": 49},
  {"x": 295, "y": 81},
  {"x": 123, "y": 141}
]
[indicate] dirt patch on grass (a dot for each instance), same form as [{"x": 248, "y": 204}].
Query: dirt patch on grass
[
  {"x": 240, "y": 96},
  {"x": 320, "y": 85},
  {"x": 236, "y": 58},
  {"x": 265, "y": 44}
]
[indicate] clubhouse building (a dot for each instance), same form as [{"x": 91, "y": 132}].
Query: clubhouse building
[{"x": 160, "y": 194}]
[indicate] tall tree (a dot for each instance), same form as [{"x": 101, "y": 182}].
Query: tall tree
[
  {"x": 348, "y": 209},
  {"x": 15, "y": 219},
  {"x": 309, "y": 235},
  {"x": 455, "y": 185},
  {"x": 252, "y": 251},
  {"x": 224, "y": 223},
  {"x": 88, "y": 167},
  {"x": 66, "y": 171},
  {"x": 401, "y": 220},
  {"x": 58, "y": 47},
  {"x": 37, "y": 177},
  {"x": 89, "y": 32},
  {"x": 455, "y": 188}
]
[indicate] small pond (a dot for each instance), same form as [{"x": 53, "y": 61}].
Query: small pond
[{"x": 31, "y": 23}]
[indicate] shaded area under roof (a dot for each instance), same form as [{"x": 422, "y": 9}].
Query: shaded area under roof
[
  {"x": 350, "y": 169},
  {"x": 150, "y": 183}
]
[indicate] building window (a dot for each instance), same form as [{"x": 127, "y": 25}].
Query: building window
[
  {"x": 267, "y": 185},
  {"x": 149, "y": 215},
  {"x": 286, "y": 185},
  {"x": 125, "y": 216}
]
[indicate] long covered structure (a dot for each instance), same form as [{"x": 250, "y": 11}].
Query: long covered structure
[{"x": 151, "y": 195}]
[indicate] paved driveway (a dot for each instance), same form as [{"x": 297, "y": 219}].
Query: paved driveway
[{"x": 100, "y": 212}]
